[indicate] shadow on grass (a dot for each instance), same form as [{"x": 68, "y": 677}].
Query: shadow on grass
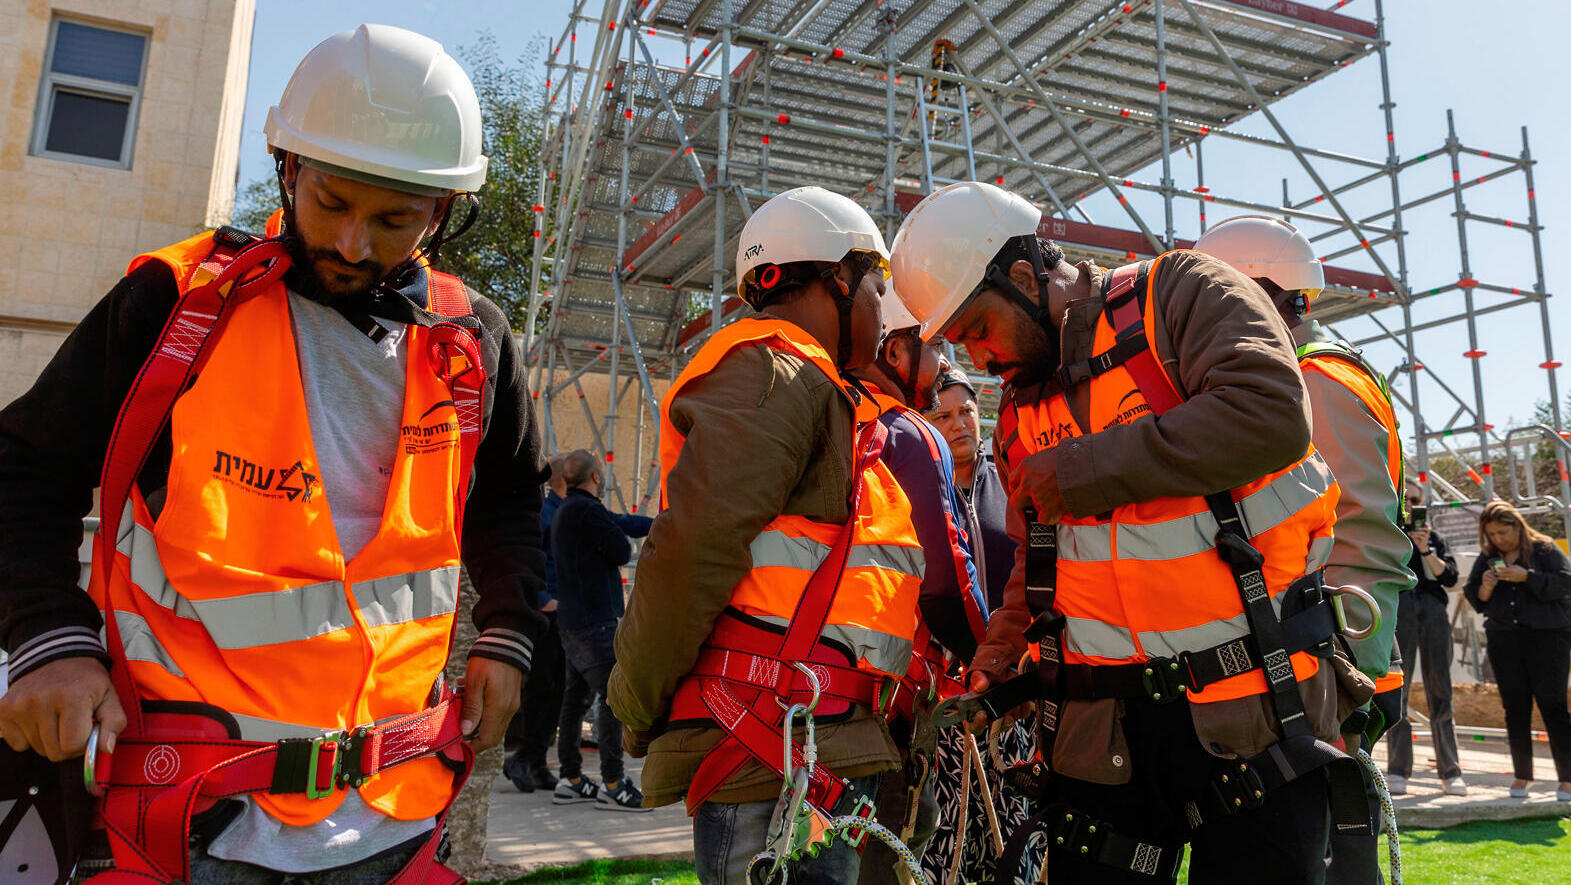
[{"x": 1537, "y": 831}]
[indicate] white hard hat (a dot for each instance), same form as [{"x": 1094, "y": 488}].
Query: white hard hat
[
  {"x": 803, "y": 224},
  {"x": 1262, "y": 247},
  {"x": 943, "y": 250},
  {"x": 384, "y": 105},
  {"x": 896, "y": 315}
]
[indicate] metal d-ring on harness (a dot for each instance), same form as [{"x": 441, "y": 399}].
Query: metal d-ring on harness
[{"x": 798, "y": 828}]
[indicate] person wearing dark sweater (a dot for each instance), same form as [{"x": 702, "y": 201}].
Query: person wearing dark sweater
[
  {"x": 1423, "y": 633},
  {"x": 590, "y": 545},
  {"x": 1521, "y": 583}
]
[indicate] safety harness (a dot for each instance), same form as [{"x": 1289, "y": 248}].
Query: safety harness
[
  {"x": 747, "y": 691},
  {"x": 178, "y": 759},
  {"x": 1309, "y": 623}
]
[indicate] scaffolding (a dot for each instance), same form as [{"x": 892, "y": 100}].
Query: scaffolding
[{"x": 651, "y": 167}]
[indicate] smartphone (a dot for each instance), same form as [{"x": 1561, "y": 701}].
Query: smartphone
[
  {"x": 1498, "y": 565},
  {"x": 1419, "y": 515}
]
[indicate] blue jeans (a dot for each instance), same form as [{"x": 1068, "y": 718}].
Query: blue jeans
[
  {"x": 589, "y": 655},
  {"x": 374, "y": 870},
  {"x": 726, "y": 835}
]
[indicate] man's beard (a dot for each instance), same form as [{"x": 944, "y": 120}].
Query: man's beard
[
  {"x": 306, "y": 278},
  {"x": 1039, "y": 358}
]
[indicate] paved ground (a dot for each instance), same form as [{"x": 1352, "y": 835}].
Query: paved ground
[{"x": 528, "y": 832}]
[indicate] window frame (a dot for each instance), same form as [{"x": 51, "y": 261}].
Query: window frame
[{"x": 51, "y": 81}]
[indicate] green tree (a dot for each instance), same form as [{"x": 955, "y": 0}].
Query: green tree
[{"x": 496, "y": 255}]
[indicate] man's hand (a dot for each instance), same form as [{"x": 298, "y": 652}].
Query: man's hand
[
  {"x": 491, "y": 694},
  {"x": 978, "y": 682},
  {"x": 52, "y": 709},
  {"x": 1420, "y": 538},
  {"x": 550, "y": 606},
  {"x": 1036, "y": 485}
]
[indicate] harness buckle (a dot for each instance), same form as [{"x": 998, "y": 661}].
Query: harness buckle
[
  {"x": 298, "y": 765},
  {"x": 1238, "y": 788},
  {"x": 350, "y": 771},
  {"x": 865, "y": 810},
  {"x": 1165, "y": 680}
]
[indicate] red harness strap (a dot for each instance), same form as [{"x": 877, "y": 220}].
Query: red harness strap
[
  {"x": 1125, "y": 306},
  {"x": 146, "y": 812},
  {"x": 753, "y": 729}
]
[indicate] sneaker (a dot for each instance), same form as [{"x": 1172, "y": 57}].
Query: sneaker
[
  {"x": 544, "y": 779},
  {"x": 1396, "y": 784},
  {"x": 513, "y": 770},
  {"x": 1455, "y": 786},
  {"x": 568, "y": 792},
  {"x": 625, "y": 797},
  {"x": 1519, "y": 792}
]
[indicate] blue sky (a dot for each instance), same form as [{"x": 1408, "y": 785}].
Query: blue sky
[{"x": 1498, "y": 70}]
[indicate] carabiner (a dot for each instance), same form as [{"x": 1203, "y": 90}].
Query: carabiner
[{"x": 1369, "y": 603}]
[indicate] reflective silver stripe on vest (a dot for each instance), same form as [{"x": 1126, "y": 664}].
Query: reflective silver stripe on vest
[
  {"x": 279, "y": 616},
  {"x": 1319, "y": 553},
  {"x": 139, "y": 643},
  {"x": 1093, "y": 638},
  {"x": 399, "y": 599},
  {"x": 1262, "y": 510},
  {"x": 1168, "y": 643},
  {"x": 776, "y": 548},
  {"x": 883, "y": 651}
]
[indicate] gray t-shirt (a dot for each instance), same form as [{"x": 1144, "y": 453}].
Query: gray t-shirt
[{"x": 354, "y": 398}]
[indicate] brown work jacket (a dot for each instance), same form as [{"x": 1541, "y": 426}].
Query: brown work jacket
[{"x": 766, "y": 433}]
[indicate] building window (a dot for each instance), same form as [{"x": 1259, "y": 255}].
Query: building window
[{"x": 88, "y": 97}]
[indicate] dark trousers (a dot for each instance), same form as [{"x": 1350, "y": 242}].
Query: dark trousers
[
  {"x": 1533, "y": 665},
  {"x": 590, "y": 656},
  {"x": 541, "y": 706},
  {"x": 1283, "y": 841},
  {"x": 1423, "y": 632}
]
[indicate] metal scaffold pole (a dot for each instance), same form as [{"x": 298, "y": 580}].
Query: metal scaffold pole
[
  {"x": 722, "y": 170},
  {"x": 1467, "y": 284},
  {"x": 1393, "y": 172},
  {"x": 891, "y": 134},
  {"x": 1549, "y": 365},
  {"x": 1162, "y": 115}
]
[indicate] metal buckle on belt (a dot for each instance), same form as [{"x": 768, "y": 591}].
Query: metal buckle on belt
[
  {"x": 1238, "y": 788},
  {"x": 297, "y": 766},
  {"x": 1165, "y": 680}
]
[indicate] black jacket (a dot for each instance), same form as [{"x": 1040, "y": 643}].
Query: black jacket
[
  {"x": 53, "y": 439},
  {"x": 1437, "y": 585},
  {"x": 590, "y": 546},
  {"x": 1542, "y": 602}
]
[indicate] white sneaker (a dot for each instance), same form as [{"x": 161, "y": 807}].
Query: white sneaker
[
  {"x": 1396, "y": 784},
  {"x": 1455, "y": 786}
]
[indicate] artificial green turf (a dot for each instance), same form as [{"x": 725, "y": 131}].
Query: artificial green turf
[{"x": 1518, "y": 852}]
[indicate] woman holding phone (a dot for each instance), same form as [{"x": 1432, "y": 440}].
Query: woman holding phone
[{"x": 1521, "y": 583}]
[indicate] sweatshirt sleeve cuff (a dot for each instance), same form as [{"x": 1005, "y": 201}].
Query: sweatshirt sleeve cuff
[
  {"x": 1077, "y": 483},
  {"x": 507, "y": 646},
  {"x": 50, "y": 646}
]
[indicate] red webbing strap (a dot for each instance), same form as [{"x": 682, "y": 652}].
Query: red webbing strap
[
  {"x": 225, "y": 769},
  {"x": 848, "y": 684},
  {"x": 746, "y": 728},
  {"x": 455, "y": 357},
  {"x": 1126, "y": 314}
]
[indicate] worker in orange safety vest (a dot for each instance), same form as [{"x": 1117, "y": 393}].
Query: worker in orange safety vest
[
  {"x": 1174, "y": 521},
  {"x": 287, "y": 500},
  {"x": 783, "y": 568}
]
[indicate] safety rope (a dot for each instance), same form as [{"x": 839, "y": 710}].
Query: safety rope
[
  {"x": 1388, "y": 813},
  {"x": 843, "y": 826},
  {"x": 965, "y": 818}
]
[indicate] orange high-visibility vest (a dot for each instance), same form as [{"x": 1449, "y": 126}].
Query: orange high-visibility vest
[
  {"x": 237, "y": 596},
  {"x": 874, "y": 614},
  {"x": 1145, "y": 581},
  {"x": 1349, "y": 370}
]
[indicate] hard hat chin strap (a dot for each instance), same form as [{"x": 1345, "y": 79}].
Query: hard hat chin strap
[{"x": 997, "y": 276}]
